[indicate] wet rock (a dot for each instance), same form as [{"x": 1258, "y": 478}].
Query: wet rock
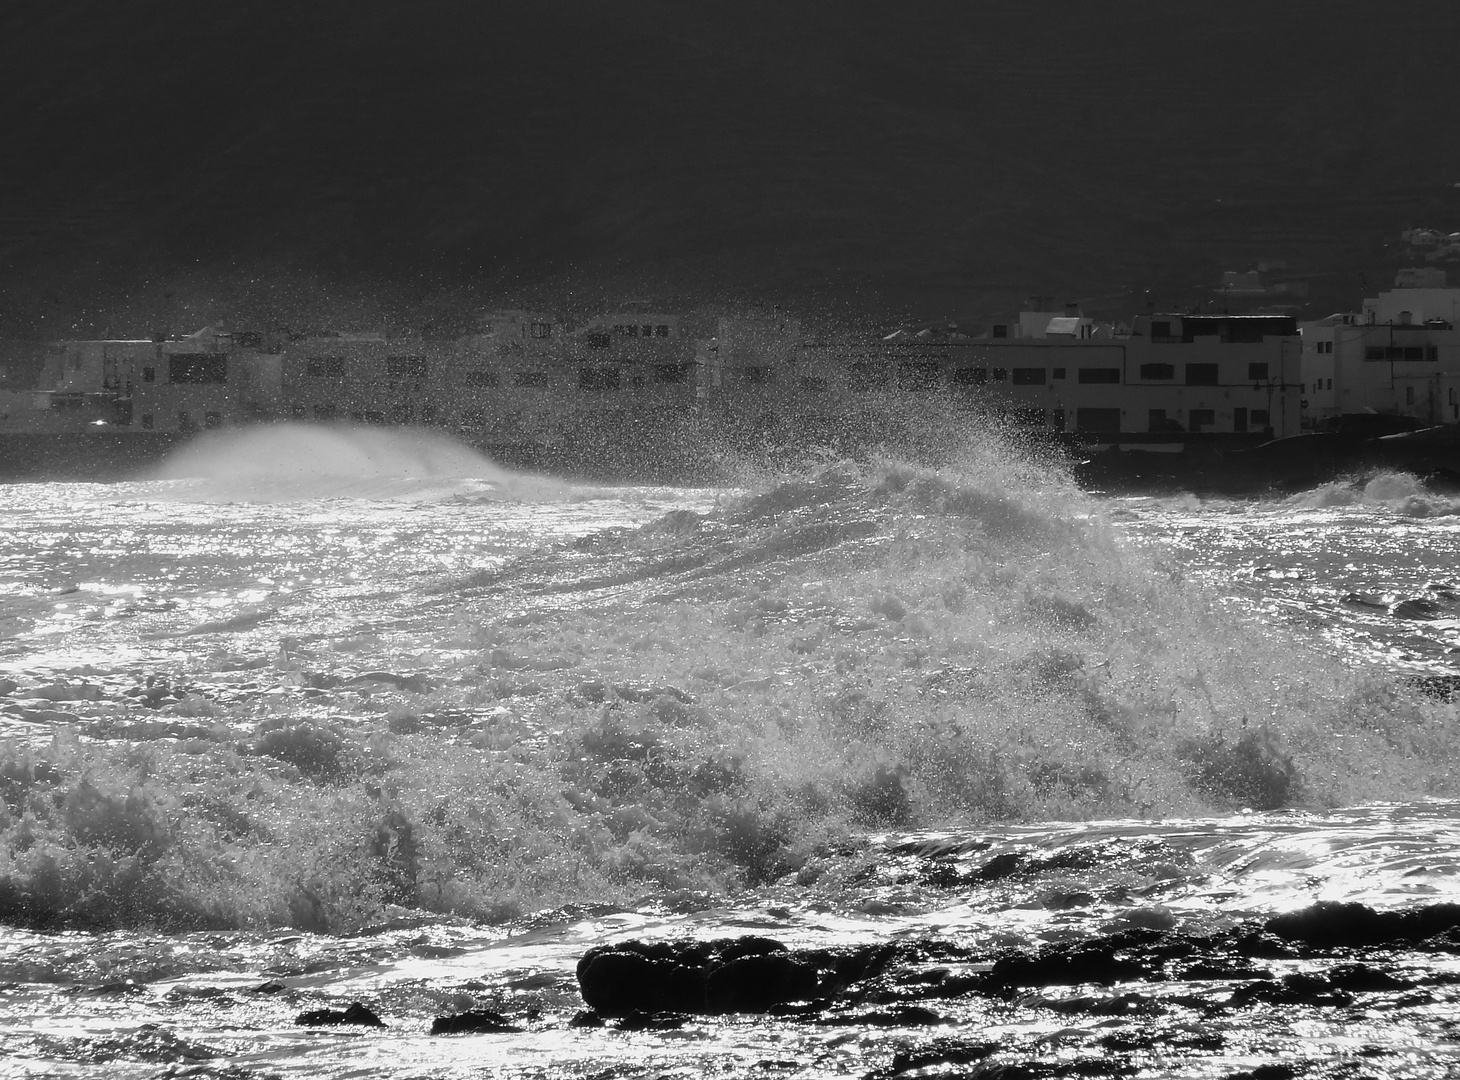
[
  {"x": 473, "y": 1022},
  {"x": 1067, "y": 965},
  {"x": 937, "y": 1052},
  {"x": 1416, "y": 608},
  {"x": 8, "y": 686},
  {"x": 618, "y": 983},
  {"x": 67, "y": 692},
  {"x": 586, "y": 1018},
  {"x": 355, "y": 1014},
  {"x": 652, "y": 1021},
  {"x": 1300, "y": 988},
  {"x": 1332, "y": 925},
  {"x": 754, "y": 983}
]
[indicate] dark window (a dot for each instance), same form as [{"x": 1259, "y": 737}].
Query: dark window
[
  {"x": 1374, "y": 352},
  {"x": 1097, "y": 419},
  {"x": 1414, "y": 352},
  {"x": 662, "y": 330},
  {"x": 1157, "y": 420},
  {"x": 212, "y": 420},
  {"x": 1201, "y": 419},
  {"x": 1239, "y": 419},
  {"x": 1030, "y": 417},
  {"x": 368, "y": 417},
  {"x": 299, "y": 412},
  {"x": 758, "y": 376},
  {"x": 646, "y": 331},
  {"x": 248, "y": 339},
  {"x": 917, "y": 375},
  {"x": 1099, "y": 375},
  {"x": 998, "y": 374},
  {"x": 1260, "y": 418},
  {"x": 405, "y": 372},
  {"x": 672, "y": 373},
  {"x": 1257, "y": 372},
  {"x": 185, "y": 422},
  {"x": 197, "y": 368},
  {"x": 542, "y": 330},
  {"x": 1394, "y": 352},
  {"x": 1059, "y": 373},
  {"x": 1161, "y": 331},
  {"x": 147, "y": 420},
  {"x": 600, "y": 379},
  {"x": 631, "y": 330},
  {"x": 324, "y": 412},
  {"x": 598, "y": 339},
  {"x": 1432, "y": 352},
  {"x": 1001, "y": 330},
  {"x": 325, "y": 367},
  {"x": 529, "y": 378},
  {"x": 1158, "y": 371},
  {"x": 863, "y": 377},
  {"x": 968, "y": 376},
  {"x": 149, "y": 374},
  {"x": 1028, "y": 376},
  {"x": 482, "y": 378},
  {"x": 1201, "y": 374},
  {"x": 813, "y": 382}
]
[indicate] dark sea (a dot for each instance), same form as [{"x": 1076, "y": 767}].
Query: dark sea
[{"x": 317, "y": 717}]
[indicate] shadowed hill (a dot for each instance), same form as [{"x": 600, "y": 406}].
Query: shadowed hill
[{"x": 167, "y": 162}]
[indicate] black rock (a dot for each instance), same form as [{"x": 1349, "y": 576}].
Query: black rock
[
  {"x": 473, "y": 1021},
  {"x": 652, "y": 1021},
  {"x": 617, "y": 983},
  {"x": 755, "y": 983},
  {"x": 355, "y": 1014}
]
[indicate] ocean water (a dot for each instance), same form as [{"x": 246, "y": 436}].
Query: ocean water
[{"x": 314, "y": 717}]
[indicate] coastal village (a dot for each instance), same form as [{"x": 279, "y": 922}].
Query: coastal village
[{"x": 524, "y": 383}]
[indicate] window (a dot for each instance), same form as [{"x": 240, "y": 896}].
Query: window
[
  {"x": 529, "y": 378},
  {"x": 999, "y": 374},
  {"x": 405, "y": 372},
  {"x": 149, "y": 374},
  {"x": 325, "y": 367},
  {"x": 671, "y": 373},
  {"x": 324, "y": 412},
  {"x": 1257, "y": 372},
  {"x": 542, "y": 330},
  {"x": 298, "y": 411},
  {"x": 147, "y": 420},
  {"x": 1028, "y": 376},
  {"x": 368, "y": 417},
  {"x": 662, "y": 330},
  {"x": 813, "y": 382},
  {"x": 1201, "y": 419},
  {"x": 1059, "y": 373},
  {"x": 1001, "y": 330},
  {"x": 1157, "y": 420},
  {"x": 1158, "y": 371},
  {"x": 598, "y": 339},
  {"x": 1374, "y": 352},
  {"x": 863, "y": 377},
  {"x": 1097, "y": 420},
  {"x": 1161, "y": 331},
  {"x": 1029, "y": 417},
  {"x": 917, "y": 375},
  {"x": 197, "y": 368},
  {"x": 1330, "y": 384},
  {"x": 482, "y": 378},
  {"x": 599, "y": 379},
  {"x": 1409, "y": 395},
  {"x": 248, "y": 339},
  {"x": 968, "y": 376},
  {"x": 1432, "y": 352},
  {"x": 1099, "y": 375},
  {"x": 646, "y": 331},
  {"x": 213, "y": 420},
  {"x": 1260, "y": 418},
  {"x": 1414, "y": 352},
  {"x": 757, "y": 376},
  {"x": 1201, "y": 375}
]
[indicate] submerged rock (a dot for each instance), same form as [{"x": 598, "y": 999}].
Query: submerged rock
[
  {"x": 474, "y": 1022},
  {"x": 355, "y": 1014}
]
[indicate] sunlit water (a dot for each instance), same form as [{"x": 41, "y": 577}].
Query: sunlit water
[{"x": 339, "y": 718}]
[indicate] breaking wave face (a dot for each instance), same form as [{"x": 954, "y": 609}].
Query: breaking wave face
[
  {"x": 288, "y": 462},
  {"x": 1403, "y": 493},
  {"x": 715, "y": 700}
]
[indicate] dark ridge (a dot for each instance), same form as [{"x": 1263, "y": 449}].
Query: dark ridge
[{"x": 166, "y": 164}]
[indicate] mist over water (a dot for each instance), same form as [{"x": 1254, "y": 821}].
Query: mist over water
[{"x": 291, "y": 462}]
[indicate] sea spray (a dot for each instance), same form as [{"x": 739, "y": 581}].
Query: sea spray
[{"x": 707, "y": 701}]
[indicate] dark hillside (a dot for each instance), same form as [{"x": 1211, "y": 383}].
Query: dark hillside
[{"x": 166, "y": 162}]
